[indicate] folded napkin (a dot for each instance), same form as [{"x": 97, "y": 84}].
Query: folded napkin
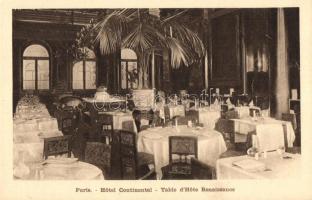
[
  {"x": 251, "y": 104},
  {"x": 250, "y": 165},
  {"x": 228, "y": 101},
  {"x": 216, "y": 102}
]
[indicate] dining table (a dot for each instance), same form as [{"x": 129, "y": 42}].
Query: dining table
[
  {"x": 275, "y": 165},
  {"x": 123, "y": 121},
  {"x": 208, "y": 116},
  {"x": 156, "y": 141},
  {"x": 32, "y": 123},
  {"x": 246, "y": 125},
  {"x": 60, "y": 168},
  {"x": 174, "y": 111}
]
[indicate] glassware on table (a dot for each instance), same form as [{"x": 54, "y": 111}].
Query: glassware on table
[
  {"x": 281, "y": 151},
  {"x": 253, "y": 152}
]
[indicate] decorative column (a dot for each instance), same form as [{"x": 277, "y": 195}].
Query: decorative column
[
  {"x": 282, "y": 71},
  {"x": 205, "y": 36},
  {"x": 206, "y": 70},
  {"x": 153, "y": 70}
]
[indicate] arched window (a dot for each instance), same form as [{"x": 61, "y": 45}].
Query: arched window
[
  {"x": 36, "y": 68},
  {"x": 129, "y": 69},
  {"x": 84, "y": 72}
]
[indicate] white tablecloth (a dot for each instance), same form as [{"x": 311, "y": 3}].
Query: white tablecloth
[
  {"x": 242, "y": 111},
  {"x": 246, "y": 125},
  {"x": 123, "y": 121},
  {"x": 208, "y": 117},
  {"x": 276, "y": 167},
  {"x": 69, "y": 171},
  {"x": 30, "y": 144},
  {"x": 269, "y": 137},
  {"x": 31, "y": 124},
  {"x": 41, "y": 124},
  {"x": 178, "y": 110},
  {"x": 155, "y": 141}
]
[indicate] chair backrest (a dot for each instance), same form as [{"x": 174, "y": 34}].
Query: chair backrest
[
  {"x": 182, "y": 147},
  {"x": 105, "y": 126},
  {"x": 136, "y": 114},
  {"x": 224, "y": 107},
  {"x": 128, "y": 126},
  {"x": 254, "y": 112},
  {"x": 167, "y": 113},
  {"x": 99, "y": 154},
  {"x": 231, "y": 114},
  {"x": 67, "y": 125},
  {"x": 225, "y": 126},
  {"x": 59, "y": 145},
  {"x": 128, "y": 154}
]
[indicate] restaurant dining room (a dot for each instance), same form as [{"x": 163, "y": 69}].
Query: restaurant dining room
[{"x": 156, "y": 94}]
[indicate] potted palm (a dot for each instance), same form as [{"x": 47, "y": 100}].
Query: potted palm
[{"x": 139, "y": 30}]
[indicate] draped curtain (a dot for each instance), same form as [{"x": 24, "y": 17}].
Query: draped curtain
[{"x": 282, "y": 75}]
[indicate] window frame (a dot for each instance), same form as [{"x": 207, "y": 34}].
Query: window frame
[
  {"x": 84, "y": 60},
  {"x": 36, "y": 59},
  {"x": 127, "y": 71},
  {"x": 127, "y": 61}
]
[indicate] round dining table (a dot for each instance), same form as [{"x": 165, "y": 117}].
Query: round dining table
[
  {"x": 72, "y": 170},
  {"x": 156, "y": 141}
]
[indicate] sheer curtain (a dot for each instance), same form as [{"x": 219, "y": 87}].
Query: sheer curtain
[{"x": 282, "y": 77}]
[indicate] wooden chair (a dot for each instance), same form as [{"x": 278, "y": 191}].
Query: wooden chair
[
  {"x": 68, "y": 114},
  {"x": 231, "y": 114},
  {"x": 167, "y": 113},
  {"x": 168, "y": 119},
  {"x": 105, "y": 127},
  {"x": 227, "y": 128},
  {"x": 201, "y": 170},
  {"x": 181, "y": 149},
  {"x": 224, "y": 109},
  {"x": 136, "y": 114},
  {"x": 99, "y": 154},
  {"x": 55, "y": 146},
  {"x": 133, "y": 164},
  {"x": 254, "y": 112}
]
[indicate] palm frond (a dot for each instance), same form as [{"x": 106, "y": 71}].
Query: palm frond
[
  {"x": 192, "y": 44},
  {"x": 177, "y": 51},
  {"x": 110, "y": 31},
  {"x": 142, "y": 38}
]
